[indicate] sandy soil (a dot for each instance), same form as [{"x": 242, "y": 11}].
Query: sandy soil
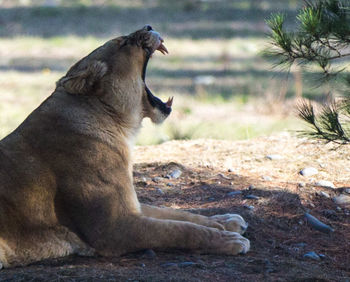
[{"x": 211, "y": 170}]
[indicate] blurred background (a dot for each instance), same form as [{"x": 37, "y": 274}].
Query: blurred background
[{"x": 222, "y": 85}]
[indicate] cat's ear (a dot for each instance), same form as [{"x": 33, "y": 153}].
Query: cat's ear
[{"x": 82, "y": 80}]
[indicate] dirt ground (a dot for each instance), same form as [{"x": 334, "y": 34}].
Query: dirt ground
[{"x": 211, "y": 171}]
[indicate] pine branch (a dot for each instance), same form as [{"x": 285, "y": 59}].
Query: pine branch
[
  {"x": 325, "y": 126},
  {"x": 322, "y": 37}
]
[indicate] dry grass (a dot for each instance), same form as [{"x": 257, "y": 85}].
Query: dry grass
[
  {"x": 248, "y": 158},
  {"x": 31, "y": 66}
]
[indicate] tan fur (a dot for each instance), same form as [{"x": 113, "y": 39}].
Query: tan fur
[{"x": 66, "y": 173}]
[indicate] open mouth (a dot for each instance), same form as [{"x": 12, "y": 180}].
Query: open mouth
[{"x": 155, "y": 43}]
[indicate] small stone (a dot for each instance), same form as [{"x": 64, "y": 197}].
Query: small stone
[
  {"x": 187, "y": 264},
  {"x": 170, "y": 184},
  {"x": 342, "y": 200},
  {"x": 308, "y": 171},
  {"x": 301, "y": 245},
  {"x": 325, "y": 183},
  {"x": 338, "y": 208},
  {"x": 149, "y": 253},
  {"x": 224, "y": 176},
  {"x": 347, "y": 190},
  {"x": 266, "y": 178},
  {"x": 312, "y": 255},
  {"x": 175, "y": 173},
  {"x": 323, "y": 194},
  {"x": 169, "y": 264},
  {"x": 156, "y": 179},
  {"x": 234, "y": 193},
  {"x": 252, "y": 197},
  {"x": 230, "y": 170},
  {"x": 144, "y": 179},
  {"x": 160, "y": 191},
  {"x": 317, "y": 224},
  {"x": 251, "y": 187},
  {"x": 248, "y": 207},
  {"x": 274, "y": 157},
  {"x": 302, "y": 184}
]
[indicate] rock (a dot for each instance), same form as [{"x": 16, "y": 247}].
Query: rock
[
  {"x": 169, "y": 264},
  {"x": 156, "y": 179},
  {"x": 248, "y": 207},
  {"x": 266, "y": 178},
  {"x": 312, "y": 255},
  {"x": 175, "y": 173},
  {"x": 274, "y": 157},
  {"x": 323, "y": 194},
  {"x": 301, "y": 245},
  {"x": 149, "y": 253},
  {"x": 343, "y": 200},
  {"x": 181, "y": 264},
  {"x": 322, "y": 256},
  {"x": 325, "y": 183},
  {"x": 234, "y": 193},
  {"x": 308, "y": 171},
  {"x": 317, "y": 224},
  {"x": 302, "y": 184},
  {"x": 224, "y": 176},
  {"x": 160, "y": 191},
  {"x": 252, "y": 197},
  {"x": 187, "y": 264}
]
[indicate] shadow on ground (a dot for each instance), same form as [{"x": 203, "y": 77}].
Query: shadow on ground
[{"x": 278, "y": 233}]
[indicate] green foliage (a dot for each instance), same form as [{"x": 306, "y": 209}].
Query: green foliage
[
  {"x": 322, "y": 37},
  {"x": 331, "y": 125}
]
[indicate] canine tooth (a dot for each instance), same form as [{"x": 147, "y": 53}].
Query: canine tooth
[
  {"x": 163, "y": 49},
  {"x": 169, "y": 103}
]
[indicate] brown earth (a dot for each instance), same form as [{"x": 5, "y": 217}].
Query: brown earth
[{"x": 211, "y": 169}]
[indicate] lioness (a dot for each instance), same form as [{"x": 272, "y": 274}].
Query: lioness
[{"x": 66, "y": 174}]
